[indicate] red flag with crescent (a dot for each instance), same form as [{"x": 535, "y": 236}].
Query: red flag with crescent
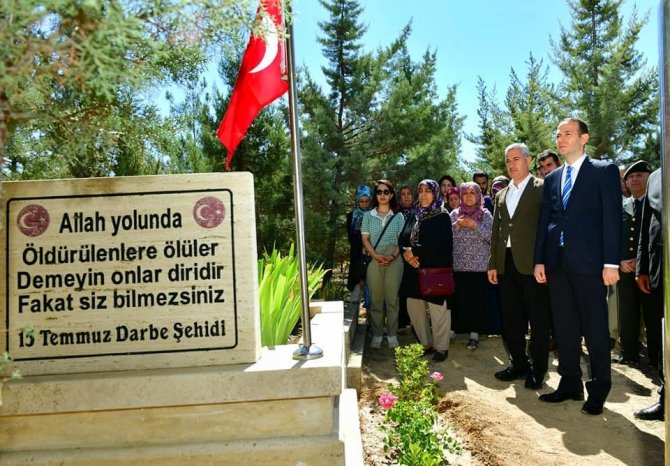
[{"x": 261, "y": 80}]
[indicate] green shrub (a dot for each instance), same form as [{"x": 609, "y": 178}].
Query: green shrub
[
  {"x": 412, "y": 430},
  {"x": 279, "y": 294}
]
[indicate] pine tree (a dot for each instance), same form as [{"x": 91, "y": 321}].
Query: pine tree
[
  {"x": 75, "y": 77},
  {"x": 495, "y": 132},
  {"x": 606, "y": 81},
  {"x": 529, "y": 106},
  {"x": 381, "y": 117}
]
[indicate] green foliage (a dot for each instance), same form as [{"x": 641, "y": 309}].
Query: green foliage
[
  {"x": 413, "y": 434},
  {"x": 606, "y": 81},
  {"x": 529, "y": 104},
  {"x": 413, "y": 371},
  {"x": 495, "y": 132},
  {"x": 380, "y": 117},
  {"x": 73, "y": 74},
  {"x": 279, "y": 294},
  {"x": 413, "y": 431}
]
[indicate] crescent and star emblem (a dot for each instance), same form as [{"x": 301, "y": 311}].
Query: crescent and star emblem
[
  {"x": 33, "y": 220},
  {"x": 209, "y": 212},
  {"x": 271, "y": 45}
]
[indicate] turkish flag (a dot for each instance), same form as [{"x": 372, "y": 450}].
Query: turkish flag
[{"x": 262, "y": 79}]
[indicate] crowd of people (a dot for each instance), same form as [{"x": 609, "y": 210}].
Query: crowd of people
[{"x": 559, "y": 250}]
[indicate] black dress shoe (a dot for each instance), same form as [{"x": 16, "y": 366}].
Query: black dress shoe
[
  {"x": 440, "y": 356},
  {"x": 559, "y": 396},
  {"x": 534, "y": 382},
  {"x": 592, "y": 407},
  {"x": 511, "y": 373},
  {"x": 621, "y": 359},
  {"x": 655, "y": 412}
]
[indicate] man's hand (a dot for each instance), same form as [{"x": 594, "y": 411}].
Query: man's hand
[
  {"x": 610, "y": 275},
  {"x": 627, "y": 265},
  {"x": 540, "y": 277},
  {"x": 493, "y": 276},
  {"x": 643, "y": 283}
]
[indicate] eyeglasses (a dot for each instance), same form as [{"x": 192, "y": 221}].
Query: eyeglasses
[{"x": 385, "y": 192}]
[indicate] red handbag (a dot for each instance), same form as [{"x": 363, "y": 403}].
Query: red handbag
[{"x": 436, "y": 281}]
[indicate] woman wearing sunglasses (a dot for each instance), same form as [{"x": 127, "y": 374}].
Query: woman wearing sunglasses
[{"x": 379, "y": 231}]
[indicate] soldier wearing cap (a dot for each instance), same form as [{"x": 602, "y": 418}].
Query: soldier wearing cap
[{"x": 631, "y": 301}]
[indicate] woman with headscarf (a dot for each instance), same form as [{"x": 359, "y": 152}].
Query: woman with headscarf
[
  {"x": 379, "y": 230},
  {"x": 426, "y": 241},
  {"x": 356, "y": 284},
  {"x": 453, "y": 199},
  {"x": 472, "y": 224},
  {"x": 406, "y": 201}
]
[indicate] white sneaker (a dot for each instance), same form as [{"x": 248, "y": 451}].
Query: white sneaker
[
  {"x": 393, "y": 342},
  {"x": 376, "y": 342},
  {"x": 452, "y": 334}
]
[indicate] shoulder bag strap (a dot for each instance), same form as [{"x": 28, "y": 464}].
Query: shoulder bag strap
[{"x": 382, "y": 233}]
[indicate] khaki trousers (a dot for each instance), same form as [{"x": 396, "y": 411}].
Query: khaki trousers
[
  {"x": 383, "y": 284},
  {"x": 440, "y": 317}
]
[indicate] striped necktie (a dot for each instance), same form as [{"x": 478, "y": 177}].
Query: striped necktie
[{"x": 567, "y": 189}]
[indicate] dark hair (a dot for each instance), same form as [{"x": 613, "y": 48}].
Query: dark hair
[
  {"x": 447, "y": 177},
  {"x": 393, "y": 202},
  {"x": 583, "y": 127},
  {"x": 480, "y": 174},
  {"x": 546, "y": 154}
]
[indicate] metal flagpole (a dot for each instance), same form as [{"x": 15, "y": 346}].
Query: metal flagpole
[
  {"x": 307, "y": 350},
  {"x": 664, "y": 75}
]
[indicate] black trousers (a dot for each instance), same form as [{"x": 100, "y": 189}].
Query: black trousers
[
  {"x": 470, "y": 300},
  {"x": 579, "y": 303},
  {"x": 652, "y": 309},
  {"x": 518, "y": 293},
  {"x": 631, "y": 302}
]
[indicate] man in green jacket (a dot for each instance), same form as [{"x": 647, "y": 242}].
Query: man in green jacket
[{"x": 515, "y": 219}]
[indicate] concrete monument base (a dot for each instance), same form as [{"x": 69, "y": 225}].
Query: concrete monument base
[{"x": 276, "y": 411}]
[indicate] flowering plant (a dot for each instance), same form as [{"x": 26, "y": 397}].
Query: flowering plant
[
  {"x": 413, "y": 431},
  {"x": 387, "y": 400}
]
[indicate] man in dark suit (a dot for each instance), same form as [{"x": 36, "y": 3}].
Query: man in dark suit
[
  {"x": 515, "y": 217},
  {"x": 630, "y": 299},
  {"x": 649, "y": 277},
  {"x": 577, "y": 253}
]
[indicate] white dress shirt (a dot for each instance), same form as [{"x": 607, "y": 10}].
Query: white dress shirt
[{"x": 512, "y": 198}]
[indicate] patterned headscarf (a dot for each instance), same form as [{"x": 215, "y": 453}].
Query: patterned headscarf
[
  {"x": 424, "y": 213},
  {"x": 453, "y": 190},
  {"x": 474, "y": 212},
  {"x": 497, "y": 186},
  {"x": 357, "y": 217}
]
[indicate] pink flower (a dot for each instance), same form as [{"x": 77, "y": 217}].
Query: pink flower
[
  {"x": 387, "y": 400},
  {"x": 437, "y": 376}
]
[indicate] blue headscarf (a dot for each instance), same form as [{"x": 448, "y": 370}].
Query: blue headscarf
[{"x": 357, "y": 217}]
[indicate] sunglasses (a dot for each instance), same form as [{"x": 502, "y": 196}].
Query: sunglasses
[{"x": 385, "y": 192}]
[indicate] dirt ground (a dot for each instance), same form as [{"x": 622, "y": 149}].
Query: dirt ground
[{"x": 501, "y": 423}]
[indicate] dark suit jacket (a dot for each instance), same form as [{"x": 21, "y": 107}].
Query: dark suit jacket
[
  {"x": 591, "y": 222},
  {"x": 631, "y": 229},
  {"x": 650, "y": 250},
  {"x": 522, "y": 228},
  {"x": 435, "y": 249}
]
